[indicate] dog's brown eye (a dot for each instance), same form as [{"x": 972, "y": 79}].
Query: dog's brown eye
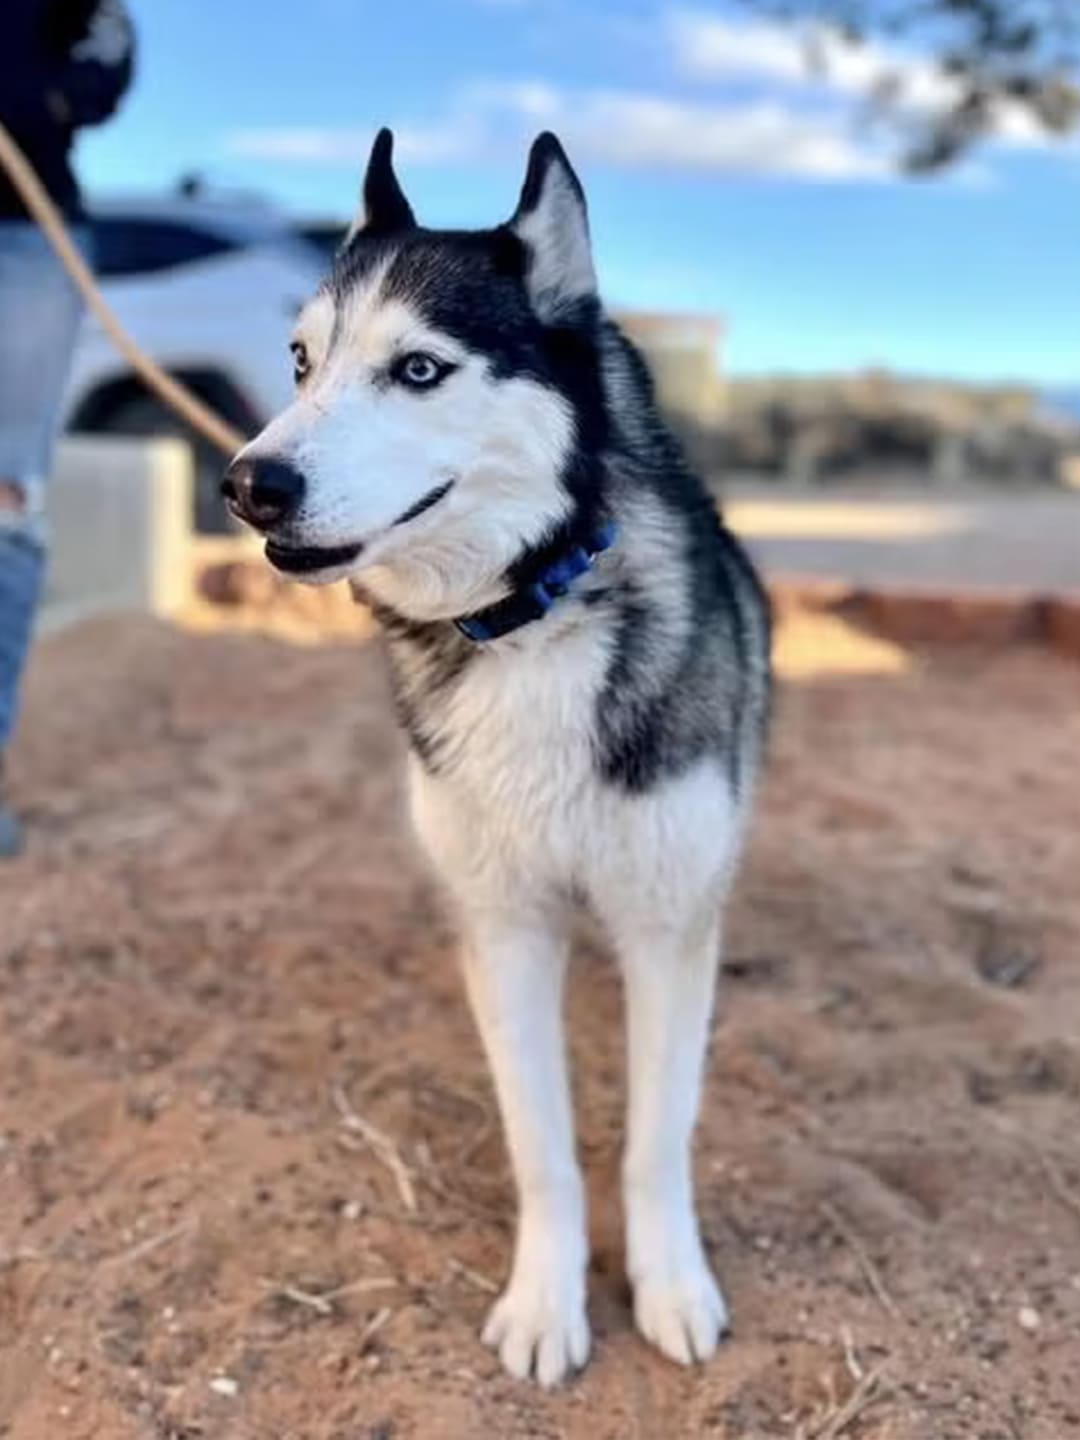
[
  {"x": 419, "y": 371},
  {"x": 301, "y": 362}
]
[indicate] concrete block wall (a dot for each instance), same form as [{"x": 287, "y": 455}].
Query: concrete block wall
[{"x": 120, "y": 528}]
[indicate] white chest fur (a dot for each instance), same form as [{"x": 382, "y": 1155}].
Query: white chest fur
[
  {"x": 518, "y": 809},
  {"x": 517, "y": 781}
]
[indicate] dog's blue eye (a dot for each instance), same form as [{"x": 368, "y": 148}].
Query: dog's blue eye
[
  {"x": 301, "y": 360},
  {"x": 420, "y": 371}
]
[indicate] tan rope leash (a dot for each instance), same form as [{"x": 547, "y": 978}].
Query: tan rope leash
[{"x": 178, "y": 397}]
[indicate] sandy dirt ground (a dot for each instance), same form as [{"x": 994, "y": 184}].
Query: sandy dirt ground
[{"x": 251, "y": 1181}]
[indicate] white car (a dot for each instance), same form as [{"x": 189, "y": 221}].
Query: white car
[{"x": 209, "y": 287}]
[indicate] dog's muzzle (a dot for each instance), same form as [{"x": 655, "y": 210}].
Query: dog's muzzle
[
  {"x": 265, "y": 494},
  {"x": 268, "y": 495}
]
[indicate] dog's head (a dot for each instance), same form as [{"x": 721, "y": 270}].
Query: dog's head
[{"x": 446, "y": 383}]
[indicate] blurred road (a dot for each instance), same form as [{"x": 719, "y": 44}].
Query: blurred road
[{"x": 1027, "y": 542}]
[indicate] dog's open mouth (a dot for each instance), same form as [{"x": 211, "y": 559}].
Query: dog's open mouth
[{"x": 306, "y": 559}]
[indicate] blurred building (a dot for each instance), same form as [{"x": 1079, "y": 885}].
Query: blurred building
[{"x": 683, "y": 351}]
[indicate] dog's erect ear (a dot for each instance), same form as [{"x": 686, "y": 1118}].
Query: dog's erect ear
[
  {"x": 383, "y": 207},
  {"x": 552, "y": 223}
]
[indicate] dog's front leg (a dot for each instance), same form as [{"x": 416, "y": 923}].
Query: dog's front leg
[
  {"x": 670, "y": 976},
  {"x": 514, "y": 974}
]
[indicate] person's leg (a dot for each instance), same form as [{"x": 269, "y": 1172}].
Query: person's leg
[
  {"x": 39, "y": 317},
  {"x": 22, "y": 566}
]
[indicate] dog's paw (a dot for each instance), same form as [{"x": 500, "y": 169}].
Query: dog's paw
[
  {"x": 681, "y": 1312},
  {"x": 539, "y": 1328}
]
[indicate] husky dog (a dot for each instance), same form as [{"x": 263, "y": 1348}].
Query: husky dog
[{"x": 579, "y": 651}]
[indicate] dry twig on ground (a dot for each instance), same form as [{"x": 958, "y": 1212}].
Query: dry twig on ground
[
  {"x": 866, "y": 1393},
  {"x": 381, "y": 1145},
  {"x": 372, "y": 1328},
  {"x": 862, "y": 1255},
  {"x": 323, "y": 1302},
  {"x": 145, "y": 1247},
  {"x": 481, "y": 1282}
]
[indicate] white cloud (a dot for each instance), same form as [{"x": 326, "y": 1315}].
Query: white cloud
[
  {"x": 709, "y": 47},
  {"x": 642, "y": 131},
  {"x": 626, "y": 129},
  {"x": 532, "y": 99},
  {"x": 809, "y": 59}
]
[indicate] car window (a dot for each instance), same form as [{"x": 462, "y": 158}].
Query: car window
[
  {"x": 325, "y": 237},
  {"x": 130, "y": 246}
]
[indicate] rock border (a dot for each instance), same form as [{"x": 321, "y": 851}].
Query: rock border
[
  {"x": 906, "y": 615},
  {"x": 914, "y": 615}
]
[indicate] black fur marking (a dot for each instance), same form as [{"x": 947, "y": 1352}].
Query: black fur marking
[
  {"x": 508, "y": 254},
  {"x": 426, "y": 662},
  {"x": 599, "y": 596},
  {"x": 461, "y": 284},
  {"x": 425, "y": 503},
  {"x": 546, "y": 151},
  {"x": 386, "y": 211},
  {"x": 664, "y": 708},
  {"x": 705, "y": 701}
]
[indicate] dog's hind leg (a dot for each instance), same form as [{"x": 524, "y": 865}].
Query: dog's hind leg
[
  {"x": 670, "y": 974},
  {"x": 514, "y": 969}
]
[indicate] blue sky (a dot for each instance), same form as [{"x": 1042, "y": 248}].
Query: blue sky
[{"x": 722, "y": 174}]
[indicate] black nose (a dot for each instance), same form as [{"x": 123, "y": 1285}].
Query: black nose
[{"x": 265, "y": 493}]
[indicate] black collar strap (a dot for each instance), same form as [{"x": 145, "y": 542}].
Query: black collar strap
[{"x": 533, "y": 600}]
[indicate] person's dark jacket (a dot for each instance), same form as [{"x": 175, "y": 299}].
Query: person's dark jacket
[{"x": 63, "y": 64}]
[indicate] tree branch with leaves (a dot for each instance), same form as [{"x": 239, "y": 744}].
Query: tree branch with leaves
[{"x": 1001, "y": 65}]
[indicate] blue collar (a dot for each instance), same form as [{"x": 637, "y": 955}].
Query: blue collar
[{"x": 533, "y": 599}]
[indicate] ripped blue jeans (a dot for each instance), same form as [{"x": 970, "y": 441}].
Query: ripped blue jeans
[{"x": 40, "y": 312}]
